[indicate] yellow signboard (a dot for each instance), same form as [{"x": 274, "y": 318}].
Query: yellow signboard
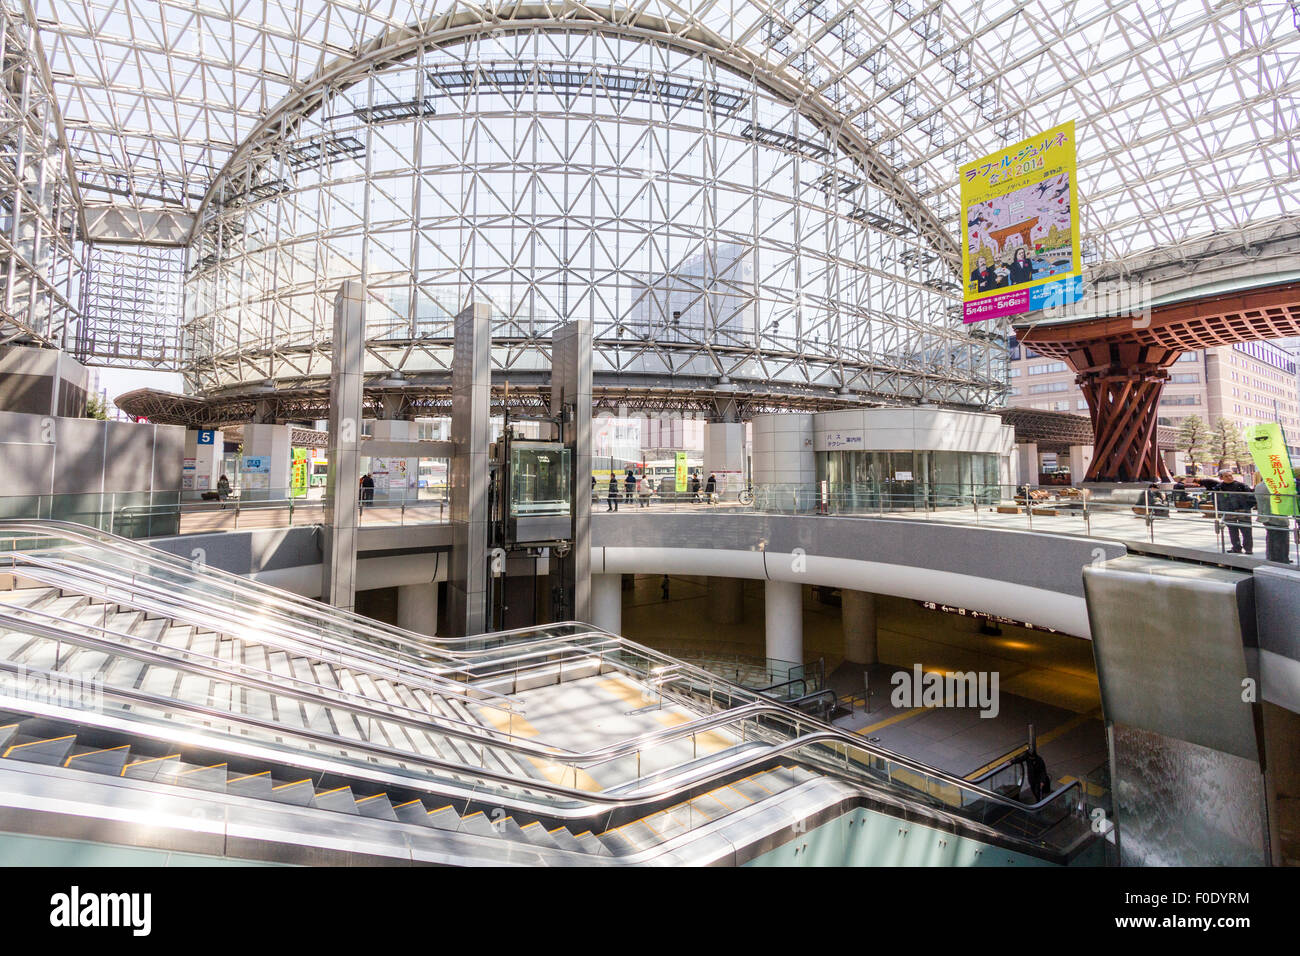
[
  {"x": 681, "y": 470},
  {"x": 1020, "y": 246},
  {"x": 1268, "y": 451}
]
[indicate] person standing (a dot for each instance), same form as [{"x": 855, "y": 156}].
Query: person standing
[
  {"x": 611, "y": 494},
  {"x": 1236, "y": 499},
  {"x": 1277, "y": 538},
  {"x": 223, "y": 488},
  {"x": 710, "y": 487},
  {"x": 644, "y": 490},
  {"x": 695, "y": 485},
  {"x": 629, "y": 487}
]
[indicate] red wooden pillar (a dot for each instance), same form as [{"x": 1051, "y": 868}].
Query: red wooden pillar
[{"x": 1122, "y": 384}]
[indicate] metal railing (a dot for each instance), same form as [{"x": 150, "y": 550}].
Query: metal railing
[{"x": 746, "y": 716}]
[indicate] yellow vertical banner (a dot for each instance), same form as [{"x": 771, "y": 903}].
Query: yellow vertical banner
[
  {"x": 1020, "y": 247},
  {"x": 1267, "y": 446},
  {"x": 681, "y": 470}
]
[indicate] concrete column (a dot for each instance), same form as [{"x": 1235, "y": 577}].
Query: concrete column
[
  {"x": 1080, "y": 459},
  {"x": 203, "y": 447},
  {"x": 571, "y": 399},
  {"x": 607, "y": 602},
  {"x": 339, "y": 529},
  {"x": 784, "y": 611},
  {"x": 1026, "y": 464},
  {"x": 471, "y": 381},
  {"x": 724, "y": 456},
  {"x": 266, "y": 458},
  {"x": 859, "y": 613},
  {"x": 726, "y": 600},
  {"x": 417, "y": 608},
  {"x": 394, "y": 477}
]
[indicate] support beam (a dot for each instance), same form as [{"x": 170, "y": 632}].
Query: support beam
[
  {"x": 783, "y": 602},
  {"x": 571, "y": 398},
  {"x": 339, "y": 530},
  {"x": 858, "y": 610},
  {"x": 467, "y": 584},
  {"x": 607, "y": 602},
  {"x": 417, "y": 608}
]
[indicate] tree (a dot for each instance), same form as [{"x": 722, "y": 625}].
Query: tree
[
  {"x": 1226, "y": 443},
  {"x": 97, "y": 408},
  {"x": 1193, "y": 438}
]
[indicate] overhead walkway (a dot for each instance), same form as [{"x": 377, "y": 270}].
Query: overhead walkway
[{"x": 140, "y": 688}]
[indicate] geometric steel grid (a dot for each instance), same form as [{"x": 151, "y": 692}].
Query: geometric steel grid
[
  {"x": 710, "y": 228},
  {"x": 1185, "y": 111}
]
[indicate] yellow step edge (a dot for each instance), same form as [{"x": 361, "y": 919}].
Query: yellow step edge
[
  {"x": 249, "y": 776},
  {"x": 371, "y": 797},
  {"x": 325, "y": 793},
  {"x": 91, "y": 753},
  {"x": 197, "y": 769},
  {"x": 141, "y": 763},
  {"x": 48, "y": 740},
  {"x": 406, "y": 804},
  {"x": 292, "y": 784}
]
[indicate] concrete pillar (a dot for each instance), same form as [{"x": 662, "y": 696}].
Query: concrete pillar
[
  {"x": 726, "y": 600},
  {"x": 783, "y": 450},
  {"x": 783, "y": 602},
  {"x": 1080, "y": 459},
  {"x": 607, "y": 602},
  {"x": 202, "y": 467},
  {"x": 339, "y": 529},
  {"x": 859, "y": 616},
  {"x": 394, "y": 477},
  {"x": 1026, "y": 464},
  {"x": 417, "y": 608},
  {"x": 471, "y": 381},
  {"x": 265, "y": 462},
  {"x": 724, "y": 456},
  {"x": 571, "y": 399}
]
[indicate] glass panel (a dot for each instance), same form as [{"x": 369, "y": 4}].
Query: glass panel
[{"x": 539, "y": 478}]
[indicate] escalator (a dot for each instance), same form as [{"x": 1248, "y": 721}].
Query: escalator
[{"x": 302, "y": 733}]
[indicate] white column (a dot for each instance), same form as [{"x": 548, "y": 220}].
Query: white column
[
  {"x": 607, "y": 602},
  {"x": 203, "y": 451},
  {"x": 724, "y": 456},
  {"x": 267, "y": 473},
  {"x": 417, "y": 608},
  {"x": 784, "y": 612},
  {"x": 1026, "y": 460},
  {"x": 394, "y": 477},
  {"x": 1080, "y": 459},
  {"x": 859, "y": 615}
]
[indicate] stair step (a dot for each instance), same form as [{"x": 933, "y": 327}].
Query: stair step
[
  {"x": 536, "y": 834},
  {"x": 26, "y": 597},
  {"x": 299, "y": 793},
  {"x": 7, "y": 733},
  {"x": 477, "y": 822},
  {"x": 109, "y": 760},
  {"x": 565, "y": 840},
  {"x": 251, "y": 785},
  {"x": 617, "y": 843},
  {"x": 339, "y": 799},
  {"x": 377, "y": 806},
  {"x": 48, "y": 750},
  {"x": 148, "y": 768},
  {"x": 588, "y": 842},
  {"x": 444, "y": 818},
  {"x": 210, "y": 777},
  {"x": 413, "y": 811}
]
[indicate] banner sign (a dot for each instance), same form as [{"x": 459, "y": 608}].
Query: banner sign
[
  {"x": 1020, "y": 248},
  {"x": 1268, "y": 451},
  {"x": 299, "y": 472},
  {"x": 681, "y": 476},
  {"x": 207, "y": 436}
]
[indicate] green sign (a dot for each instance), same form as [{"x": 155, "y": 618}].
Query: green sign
[
  {"x": 300, "y": 473},
  {"x": 1268, "y": 450},
  {"x": 680, "y": 458}
]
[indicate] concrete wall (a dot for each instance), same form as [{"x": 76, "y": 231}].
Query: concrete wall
[
  {"x": 783, "y": 449},
  {"x": 27, "y": 377},
  {"x": 44, "y": 455},
  {"x": 916, "y": 429}
]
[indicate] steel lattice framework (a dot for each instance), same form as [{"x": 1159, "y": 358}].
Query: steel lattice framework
[{"x": 1185, "y": 110}]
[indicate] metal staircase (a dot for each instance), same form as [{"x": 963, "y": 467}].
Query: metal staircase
[{"x": 125, "y": 668}]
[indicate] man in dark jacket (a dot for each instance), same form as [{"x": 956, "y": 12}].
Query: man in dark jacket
[
  {"x": 1236, "y": 499},
  {"x": 1277, "y": 533}
]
